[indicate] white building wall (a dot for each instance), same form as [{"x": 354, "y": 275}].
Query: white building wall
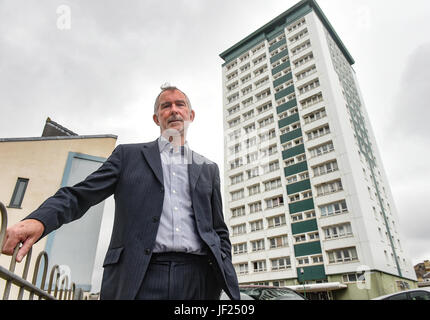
[{"x": 365, "y": 224}]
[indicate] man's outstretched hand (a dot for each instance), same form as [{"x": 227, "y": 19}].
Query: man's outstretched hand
[{"x": 26, "y": 232}]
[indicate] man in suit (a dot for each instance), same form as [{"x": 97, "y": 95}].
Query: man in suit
[{"x": 169, "y": 239}]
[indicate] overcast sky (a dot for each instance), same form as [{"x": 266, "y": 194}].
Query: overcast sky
[{"x": 101, "y": 76}]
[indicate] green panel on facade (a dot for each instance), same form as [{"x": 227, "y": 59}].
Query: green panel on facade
[
  {"x": 288, "y": 105},
  {"x": 300, "y": 206},
  {"x": 311, "y": 273},
  {"x": 285, "y": 92},
  {"x": 281, "y": 67},
  {"x": 289, "y": 120},
  {"x": 293, "y": 151},
  {"x": 280, "y": 55},
  {"x": 298, "y": 186},
  {"x": 306, "y": 249},
  {"x": 295, "y": 168},
  {"x": 304, "y": 226},
  {"x": 278, "y": 44},
  {"x": 282, "y": 79},
  {"x": 291, "y": 135}
]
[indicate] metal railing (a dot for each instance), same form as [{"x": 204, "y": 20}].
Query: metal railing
[{"x": 61, "y": 291}]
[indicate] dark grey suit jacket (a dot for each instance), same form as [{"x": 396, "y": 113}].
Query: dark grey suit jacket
[{"x": 133, "y": 174}]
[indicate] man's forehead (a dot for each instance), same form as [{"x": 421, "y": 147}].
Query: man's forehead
[{"x": 172, "y": 95}]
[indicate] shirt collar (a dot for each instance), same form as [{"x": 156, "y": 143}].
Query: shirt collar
[{"x": 164, "y": 144}]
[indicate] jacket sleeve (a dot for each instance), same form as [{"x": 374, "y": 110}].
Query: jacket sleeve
[
  {"x": 70, "y": 203},
  {"x": 218, "y": 218}
]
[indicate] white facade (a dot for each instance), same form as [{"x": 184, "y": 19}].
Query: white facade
[{"x": 331, "y": 114}]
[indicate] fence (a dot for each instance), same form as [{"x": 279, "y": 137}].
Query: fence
[{"x": 61, "y": 291}]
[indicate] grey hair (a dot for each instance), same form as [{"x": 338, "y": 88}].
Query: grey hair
[{"x": 170, "y": 88}]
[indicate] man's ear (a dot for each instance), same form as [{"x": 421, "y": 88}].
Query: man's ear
[
  {"x": 192, "y": 115},
  {"x": 155, "y": 118}
]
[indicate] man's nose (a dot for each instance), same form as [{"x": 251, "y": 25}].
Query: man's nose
[{"x": 174, "y": 108}]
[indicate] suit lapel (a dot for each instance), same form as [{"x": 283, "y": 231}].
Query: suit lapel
[
  {"x": 194, "y": 169},
  {"x": 151, "y": 152}
]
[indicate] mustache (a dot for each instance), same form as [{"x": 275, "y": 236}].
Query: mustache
[{"x": 174, "y": 118}]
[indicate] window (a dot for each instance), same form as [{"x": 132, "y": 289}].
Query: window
[
  {"x": 329, "y": 187},
  {"x": 420, "y": 295},
  {"x": 274, "y": 202},
  {"x": 302, "y": 261},
  {"x": 314, "y": 116},
  {"x": 18, "y": 193},
  {"x": 259, "y": 266},
  {"x": 301, "y": 47},
  {"x": 322, "y": 149},
  {"x": 276, "y": 221},
  {"x": 270, "y": 167},
  {"x": 352, "y": 277},
  {"x": 251, "y": 157},
  {"x": 319, "y": 132},
  {"x": 239, "y": 229},
  {"x": 296, "y": 25},
  {"x": 338, "y": 231},
  {"x": 325, "y": 168},
  {"x": 300, "y": 238},
  {"x": 237, "y": 212},
  {"x": 281, "y": 263},
  {"x": 333, "y": 208},
  {"x": 255, "y": 207},
  {"x": 267, "y": 135},
  {"x": 249, "y": 128},
  {"x": 342, "y": 255},
  {"x": 254, "y": 189},
  {"x": 252, "y": 173},
  {"x": 234, "y": 122},
  {"x": 266, "y": 121},
  {"x": 256, "y": 225},
  {"x": 278, "y": 242},
  {"x": 303, "y": 60},
  {"x": 264, "y": 107},
  {"x": 233, "y": 110},
  {"x": 236, "y": 163},
  {"x": 306, "y": 72},
  {"x": 236, "y": 195},
  {"x": 239, "y": 248},
  {"x": 314, "y": 99},
  {"x": 234, "y": 135},
  {"x": 236, "y": 179},
  {"x": 272, "y": 184},
  {"x": 298, "y": 36},
  {"x": 309, "y": 86},
  {"x": 241, "y": 268},
  {"x": 257, "y": 245}
]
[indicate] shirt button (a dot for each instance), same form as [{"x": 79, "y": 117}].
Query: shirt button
[
  {"x": 176, "y": 208},
  {"x": 177, "y": 229},
  {"x": 174, "y": 191},
  {"x": 174, "y": 173}
]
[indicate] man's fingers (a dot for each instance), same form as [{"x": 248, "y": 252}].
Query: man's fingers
[
  {"x": 26, "y": 232},
  {"x": 28, "y": 243},
  {"x": 9, "y": 244}
]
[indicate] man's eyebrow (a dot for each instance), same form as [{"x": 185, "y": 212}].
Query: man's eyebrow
[{"x": 168, "y": 102}]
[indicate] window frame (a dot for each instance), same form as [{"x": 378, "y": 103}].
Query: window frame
[{"x": 15, "y": 192}]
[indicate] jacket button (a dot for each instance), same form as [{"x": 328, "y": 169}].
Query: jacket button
[
  {"x": 147, "y": 251},
  {"x": 162, "y": 189},
  {"x": 154, "y": 219}
]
